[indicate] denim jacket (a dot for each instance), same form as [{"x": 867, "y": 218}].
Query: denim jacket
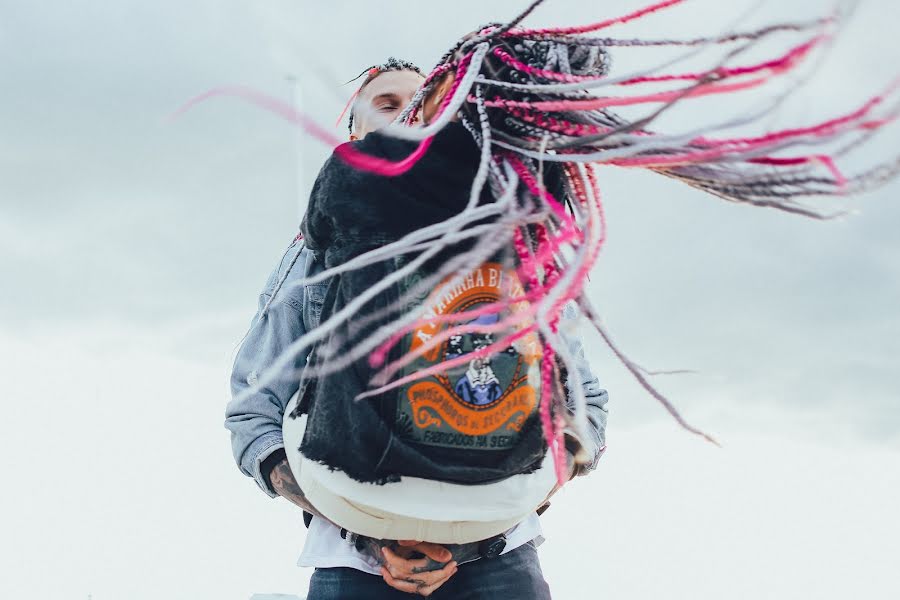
[{"x": 255, "y": 419}]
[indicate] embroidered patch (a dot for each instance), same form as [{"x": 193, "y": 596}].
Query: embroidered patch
[{"x": 485, "y": 401}]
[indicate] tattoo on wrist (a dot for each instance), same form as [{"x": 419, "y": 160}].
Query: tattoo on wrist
[{"x": 284, "y": 484}]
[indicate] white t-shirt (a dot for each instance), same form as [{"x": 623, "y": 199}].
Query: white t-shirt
[{"x": 326, "y": 548}]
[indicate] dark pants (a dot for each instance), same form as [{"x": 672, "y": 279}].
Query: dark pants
[{"x": 515, "y": 575}]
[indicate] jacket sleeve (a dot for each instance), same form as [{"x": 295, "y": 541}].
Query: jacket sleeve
[
  {"x": 255, "y": 413},
  {"x": 595, "y": 396}
]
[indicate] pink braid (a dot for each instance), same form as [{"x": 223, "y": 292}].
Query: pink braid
[
  {"x": 547, "y": 359},
  {"x": 826, "y": 160},
  {"x": 824, "y": 128},
  {"x": 552, "y": 431},
  {"x": 541, "y": 120},
  {"x": 553, "y": 75},
  {"x": 597, "y": 103},
  {"x": 718, "y": 148},
  {"x": 787, "y": 61},
  {"x": 598, "y": 26},
  {"x": 380, "y": 166}
]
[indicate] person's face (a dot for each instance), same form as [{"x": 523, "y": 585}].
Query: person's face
[{"x": 382, "y": 100}]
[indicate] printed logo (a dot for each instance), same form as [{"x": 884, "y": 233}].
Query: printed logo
[{"x": 485, "y": 401}]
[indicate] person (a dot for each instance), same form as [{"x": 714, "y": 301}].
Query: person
[{"x": 345, "y": 569}]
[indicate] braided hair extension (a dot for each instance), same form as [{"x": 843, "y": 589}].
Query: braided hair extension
[
  {"x": 541, "y": 100},
  {"x": 535, "y": 93}
]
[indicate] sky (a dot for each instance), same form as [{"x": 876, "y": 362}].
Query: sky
[{"x": 133, "y": 248}]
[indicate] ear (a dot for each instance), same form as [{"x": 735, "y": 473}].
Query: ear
[
  {"x": 443, "y": 88},
  {"x": 354, "y": 137},
  {"x": 436, "y": 97}
]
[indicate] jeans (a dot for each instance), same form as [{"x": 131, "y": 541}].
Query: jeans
[{"x": 515, "y": 575}]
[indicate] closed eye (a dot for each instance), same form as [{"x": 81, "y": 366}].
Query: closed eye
[{"x": 386, "y": 102}]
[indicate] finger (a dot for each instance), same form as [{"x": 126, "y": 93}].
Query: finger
[
  {"x": 415, "y": 586},
  {"x": 404, "y": 568},
  {"x": 399, "y": 584},
  {"x": 394, "y": 563},
  {"x": 406, "y": 552},
  {"x": 395, "y": 558},
  {"x": 407, "y": 548},
  {"x": 418, "y": 574},
  {"x": 432, "y": 577},
  {"x": 399, "y": 566},
  {"x": 434, "y": 552},
  {"x": 430, "y": 589}
]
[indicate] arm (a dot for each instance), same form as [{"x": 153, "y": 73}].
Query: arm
[
  {"x": 277, "y": 472},
  {"x": 255, "y": 413}
]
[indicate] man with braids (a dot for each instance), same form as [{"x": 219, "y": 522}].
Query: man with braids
[
  {"x": 350, "y": 566},
  {"x": 483, "y": 225},
  {"x": 504, "y": 564}
]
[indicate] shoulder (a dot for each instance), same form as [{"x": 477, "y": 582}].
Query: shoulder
[{"x": 285, "y": 278}]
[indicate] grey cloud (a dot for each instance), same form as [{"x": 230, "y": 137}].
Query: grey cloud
[{"x": 114, "y": 213}]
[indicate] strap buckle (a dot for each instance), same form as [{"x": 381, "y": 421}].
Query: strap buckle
[{"x": 492, "y": 547}]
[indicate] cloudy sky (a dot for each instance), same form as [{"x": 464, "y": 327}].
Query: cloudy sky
[{"x": 132, "y": 249}]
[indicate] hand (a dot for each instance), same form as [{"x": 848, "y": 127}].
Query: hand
[{"x": 420, "y": 576}]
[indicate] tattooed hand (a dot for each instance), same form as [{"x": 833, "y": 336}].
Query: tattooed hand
[
  {"x": 420, "y": 576},
  {"x": 282, "y": 480}
]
